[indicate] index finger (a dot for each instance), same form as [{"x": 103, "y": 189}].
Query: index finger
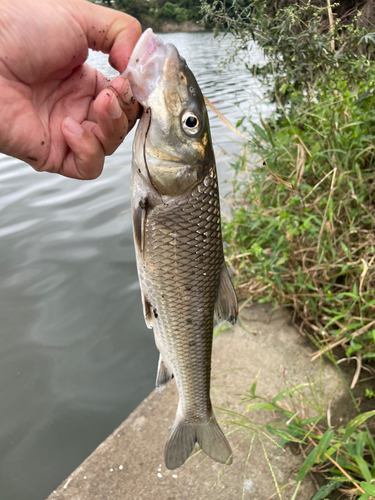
[{"x": 108, "y": 31}]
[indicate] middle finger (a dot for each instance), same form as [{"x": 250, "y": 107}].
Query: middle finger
[{"x": 111, "y": 122}]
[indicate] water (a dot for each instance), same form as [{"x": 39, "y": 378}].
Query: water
[{"x": 75, "y": 355}]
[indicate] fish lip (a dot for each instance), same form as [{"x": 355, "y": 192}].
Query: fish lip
[
  {"x": 145, "y": 48},
  {"x": 146, "y": 65}
]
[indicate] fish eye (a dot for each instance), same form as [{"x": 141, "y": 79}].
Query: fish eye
[{"x": 191, "y": 123}]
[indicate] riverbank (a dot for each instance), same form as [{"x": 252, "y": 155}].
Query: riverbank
[
  {"x": 187, "y": 27},
  {"x": 129, "y": 464},
  {"x": 302, "y": 231}
]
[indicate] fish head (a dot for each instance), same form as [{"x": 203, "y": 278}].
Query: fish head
[{"x": 173, "y": 147}]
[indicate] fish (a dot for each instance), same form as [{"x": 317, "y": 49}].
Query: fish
[{"x": 184, "y": 281}]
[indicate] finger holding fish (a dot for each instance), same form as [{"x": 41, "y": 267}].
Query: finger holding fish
[
  {"x": 114, "y": 113},
  {"x": 100, "y": 130}
]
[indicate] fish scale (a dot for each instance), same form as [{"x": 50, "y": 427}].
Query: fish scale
[{"x": 169, "y": 270}]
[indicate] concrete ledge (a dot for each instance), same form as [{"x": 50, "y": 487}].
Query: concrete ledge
[{"x": 129, "y": 464}]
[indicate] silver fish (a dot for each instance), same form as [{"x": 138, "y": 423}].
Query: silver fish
[{"x": 176, "y": 219}]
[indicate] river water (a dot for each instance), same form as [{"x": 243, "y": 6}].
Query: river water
[{"x": 75, "y": 355}]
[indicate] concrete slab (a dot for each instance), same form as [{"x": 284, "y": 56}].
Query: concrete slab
[{"x": 129, "y": 464}]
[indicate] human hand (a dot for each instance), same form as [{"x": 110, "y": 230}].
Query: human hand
[{"x": 56, "y": 112}]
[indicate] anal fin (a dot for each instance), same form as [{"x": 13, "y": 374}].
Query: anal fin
[
  {"x": 226, "y": 307},
  {"x": 163, "y": 377}
]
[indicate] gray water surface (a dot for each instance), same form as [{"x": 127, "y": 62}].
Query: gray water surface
[{"x": 75, "y": 355}]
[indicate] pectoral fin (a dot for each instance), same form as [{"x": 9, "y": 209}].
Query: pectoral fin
[
  {"x": 226, "y": 307},
  {"x": 139, "y": 225},
  {"x": 163, "y": 377},
  {"x": 147, "y": 311}
]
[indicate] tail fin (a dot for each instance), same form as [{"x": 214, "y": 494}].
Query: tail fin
[
  {"x": 184, "y": 435},
  {"x": 213, "y": 442}
]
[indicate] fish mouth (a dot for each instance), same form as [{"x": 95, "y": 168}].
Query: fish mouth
[{"x": 146, "y": 66}]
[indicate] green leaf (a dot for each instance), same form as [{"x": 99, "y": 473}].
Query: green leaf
[
  {"x": 365, "y": 496},
  {"x": 253, "y": 386},
  {"x": 286, "y": 392},
  {"x": 283, "y": 88},
  {"x": 261, "y": 132},
  {"x": 369, "y": 355},
  {"x": 311, "y": 420},
  {"x": 267, "y": 129},
  {"x": 353, "y": 424},
  {"x": 257, "y": 406},
  {"x": 283, "y": 434},
  {"x": 326, "y": 490},
  {"x": 281, "y": 260},
  {"x": 333, "y": 449},
  {"x": 369, "y": 488},
  {"x": 239, "y": 122},
  {"x": 345, "y": 248},
  {"x": 323, "y": 444},
  {"x": 308, "y": 463},
  {"x": 363, "y": 466},
  {"x": 360, "y": 443}
]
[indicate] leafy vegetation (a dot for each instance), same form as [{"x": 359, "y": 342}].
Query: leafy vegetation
[
  {"x": 302, "y": 43},
  {"x": 343, "y": 456},
  {"x": 313, "y": 246},
  {"x": 153, "y": 13},
  {"x": 303, "y": 200}
]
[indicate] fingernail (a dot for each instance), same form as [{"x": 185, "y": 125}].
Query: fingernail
[
  {"x": 114, "y": 108},
  {"x": 73, "y": 127},
  {"x": 125, "y": 86}
]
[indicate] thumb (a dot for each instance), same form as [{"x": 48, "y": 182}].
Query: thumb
[{"x": 108, "y": 30}]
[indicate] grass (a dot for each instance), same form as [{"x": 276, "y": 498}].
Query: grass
[
  {"x": 308, "y": 242},
  {"x": 342, "y": 456},
  {"x": 302, "y": 232},
  {"x": 312, "y": 246}
]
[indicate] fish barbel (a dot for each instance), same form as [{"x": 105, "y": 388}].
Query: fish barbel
[{"x": 176, "y": 220}]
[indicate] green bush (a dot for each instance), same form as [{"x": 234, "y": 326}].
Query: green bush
[
  {"x": 313, "y": 246},
  {"x": 301, "y": 42},
  {"x": 310, "y": 245},
  {"x": 173, "y": 12},
  {"x": 152, "y": 13},
  {"x": 302, "y": 231}
]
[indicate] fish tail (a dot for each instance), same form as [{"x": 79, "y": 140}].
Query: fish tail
[
  {"x": 184, "y": 435},
  {"x": 180, "y": 444},
  {"x": 213, "y": 442}
]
